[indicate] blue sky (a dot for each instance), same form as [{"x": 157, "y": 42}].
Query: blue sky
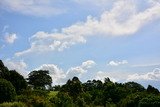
[{"x": 91, "y": 39}]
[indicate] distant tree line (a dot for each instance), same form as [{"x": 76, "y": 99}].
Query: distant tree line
[{"x": 37, "y": 91}]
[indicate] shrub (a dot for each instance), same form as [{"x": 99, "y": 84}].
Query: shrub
[
  {"x": 80, "y": 102},
  {"x": 7, "y": 91},
  {"x": 150, "y": 101},
  {"x": 132, "y": 100},
  {"x": 62, "y": 100},
  {"x": 34, "y": 101},
  {"x": 87, "y": 97}
]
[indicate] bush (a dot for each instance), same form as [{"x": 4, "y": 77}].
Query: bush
[
  {"x": 34, "y": 101},
  {"x": 132, "y": 100},
  {"x": 7, "y": 91},
  {"x": 13, "y": 104},
  {"x": 87, "y": 97},
  {"x": 62, "y": 100},
  {"x": 150, "y": 101},
  {"x": 80, "y": 102}
]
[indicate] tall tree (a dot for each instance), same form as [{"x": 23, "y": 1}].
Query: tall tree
[
  {"x": 153, "y": 90},
  {"x": 39, "y": 79},
  {"x": 4, "y": 72},
  {"x": 73, "y": 87},
  {"x": 134, "y": 87},
  {"x": 17, "y": 80}
]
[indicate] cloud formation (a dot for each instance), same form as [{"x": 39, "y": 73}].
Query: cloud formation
[
  {"x": 10, "y": 38},
  {"x": 42, "y": 8},
  {"x": 19, "y": 66},
  {"x": 94, "y": 3},
  {"x": 154, "y": 75},
  {"x": 43, "y": 41},
  {"x": 122, "y": 19},
  {"x": 117, "y": 63},
  {"x": 100, "y": 75},
  {"x": 59, "y": 76},
  {"x": 56, "y": 73},
  {"x": 79, "y": 70}
]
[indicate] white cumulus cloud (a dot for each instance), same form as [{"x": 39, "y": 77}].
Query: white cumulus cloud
[
  {"x": 10, "y": 38},
  {"x": 43, "y": 41},
  {"x": 100, "y": 75},
  {"x": 56, "y": 73},
  {"x": 59, "y": 76},
  {"x": 122, "y": 19},
  {"x": 79, "y": 70},
  {"x": 88, "y": 64},
  {"x": 154, "y": 75}
]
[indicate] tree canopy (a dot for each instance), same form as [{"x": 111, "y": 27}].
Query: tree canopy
[
  {"x": 4, "y": 72},
  {"x": 93, "y": 93},
  {"x": 39, "y": 79},
  {"x": 14, "y": 77},
  {"x": 19, "y": 83}
]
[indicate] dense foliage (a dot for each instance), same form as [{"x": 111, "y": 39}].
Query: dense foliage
[
  {"x": 18, "y": 81},
  {"x": 7, "y": 91},
  {"x": 37, "y": 92},
  {"x": 39, "y": 79}
]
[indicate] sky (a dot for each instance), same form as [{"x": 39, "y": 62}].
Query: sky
[{"x": 90, "y": 39}]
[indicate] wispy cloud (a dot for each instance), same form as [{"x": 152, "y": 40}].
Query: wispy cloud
[
  {"x": 43, "y": 42},
  {"x": 42, "y": 8},
  {"x": 5, "y": 28},
  {"x": 10, "y": 38},
  {"x": 94, "y": 3},
  {"x": 117, "y": 63},
  {"x": 146, "y": 65},
  {"x": 123, "y": 19}
]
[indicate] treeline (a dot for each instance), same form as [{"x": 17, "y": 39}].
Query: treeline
[{"x": 36, "y": 91}]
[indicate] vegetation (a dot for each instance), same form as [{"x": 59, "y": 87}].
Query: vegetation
[
  {"x": 18, "y": 81},
  {"x": 13, "y": 104},
  {"x": 7, "y": 91},
  {"x": 39, "y": 79},
  {"x": 36, "y": 91}
]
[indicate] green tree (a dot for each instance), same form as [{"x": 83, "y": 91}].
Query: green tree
[
  {"x": 151, "y": 89},
  {"x": 4, "y": 72},
  {"x": 14, "y": 77},
  {"x": 73, "y": 87},
  {"x": 39, "y": 79},
  {"x": 132, "y": 100},
  {"x": 62, "y": 100},
  {"x": 150, "y": 101},
  {"x": 7, "y": 91},
  {"x": 17, "y": 80},
  {"x": 134, "y": 87}
]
